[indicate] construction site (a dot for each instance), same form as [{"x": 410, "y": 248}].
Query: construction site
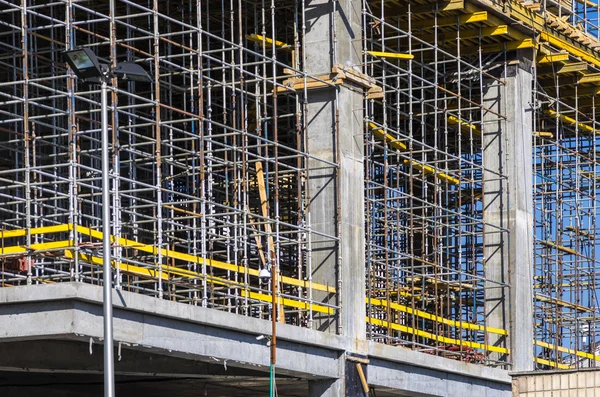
[{"x": 421, "y": 178}]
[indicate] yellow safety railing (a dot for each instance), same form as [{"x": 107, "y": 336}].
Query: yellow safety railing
[{"x": 168, "y": 272}]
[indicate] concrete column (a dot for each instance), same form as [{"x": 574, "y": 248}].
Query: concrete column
[
  {"x": 335, "y": 133},
  {"x": 507, "y": 149}
]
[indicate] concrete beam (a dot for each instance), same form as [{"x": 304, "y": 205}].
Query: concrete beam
[
  {"x": 224, "y": 341},
  {"x": 74, "y": 311},
  {"x": 417, "y": 374},
  {"x": 418, "y": 381},
  {"x": 439, "y": 365}
]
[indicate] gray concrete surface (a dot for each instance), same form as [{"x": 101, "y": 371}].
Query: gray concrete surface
[
  {"x": 335, "y": 133},
  {"x": 169, "y": 339},
  {"x": 509, "y": 203}
]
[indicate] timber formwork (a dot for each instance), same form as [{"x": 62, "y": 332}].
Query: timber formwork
[{"x": 209, "y": 162}]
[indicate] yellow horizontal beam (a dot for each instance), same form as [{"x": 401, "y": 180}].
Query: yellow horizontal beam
[
  {"x": 198, "y": 259},
  {"x": 145, "y": 248},
  {"x": 562, "y": 69},
  {"x": 34, "y": 231},
  {"x": 549, "y": 58},
  {"x": 570, "y": 48},
  {"x": 573, "y": 67},
  {"x": 499, "y": 30},
  {"x": 395, "y": 55},
  {"x": 433, "y": 317},
  {"x": 438, "y": 338},
  {"x": 125, "y": 268},
  {"x": 480, "y": 16},
  {"x": 287, "y": 302},
  {"x": 260, "y": 39},
  {"x": 21, "y": 249},
  {"x": 551, "y": 363},
  {"x": 564, "y": 249},
  {"x": 387, "y": 137},
  {"x": 464, "y": 125},
  {"x": 483, "y": 32},
  {"x": 562, "y": 349},
  {"x": 508, "y": 46},
  {"x": 569, "y": 120},
  {"x": 426, "y": 169},
  {"x": 171, "y": 270},
  {"x": 395, "y": 9},
  {"x": 540, "y": 22},
  {"x": 563, "y": 303},
  {"x": 589, "y": 78},
  {"x": 543, "y": 134}
]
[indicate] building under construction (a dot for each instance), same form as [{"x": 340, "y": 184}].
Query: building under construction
[{"x": 421, "y": 177}]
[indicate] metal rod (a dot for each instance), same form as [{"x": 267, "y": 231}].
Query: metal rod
[{"x": 109, "y": 376}]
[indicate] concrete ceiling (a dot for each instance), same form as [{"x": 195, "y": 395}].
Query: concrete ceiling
[{"x": 68, "y": 368}]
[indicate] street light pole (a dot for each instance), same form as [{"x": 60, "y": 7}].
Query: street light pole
[
  {"x": 109, "y": 374},
  {"x": 274, "y": 314},
  {"x": 86, "y": 65}
]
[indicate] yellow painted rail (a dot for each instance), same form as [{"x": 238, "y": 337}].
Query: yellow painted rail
[
  {"x": 167, "y": 271},
  {"x": 394, "y": 55},
  {"x": 569, "y": 120},
  {"x": 464, "y": 125},
  {"x": 257, "y": 38},
  {"x": 551, "y": 363},
  {"x": 426, "y": 169},
  {"x": 380, "y": 133},
  {"x": 438, "y": 338},
  {"x": 562, "y": 349},
  {"x": 126, "y": 243},
  {"x": 433, "y": 317}
]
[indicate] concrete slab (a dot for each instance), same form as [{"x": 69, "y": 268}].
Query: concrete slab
[{"x": 146, "y": 325}]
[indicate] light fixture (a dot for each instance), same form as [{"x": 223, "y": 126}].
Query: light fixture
[
  {"x": 131, "y": 71},
  {"x": 264, "y": 274},
  {"x": 87, "y": 66},
  {"x": 85, "y": 63}
]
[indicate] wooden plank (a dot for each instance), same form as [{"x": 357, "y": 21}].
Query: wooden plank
[{"x": 264, "y": 206}]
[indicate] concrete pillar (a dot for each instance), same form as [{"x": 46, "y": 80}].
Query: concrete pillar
[
  {"x": 507, "y": 149},
  {"x": 335, "y": 133}
]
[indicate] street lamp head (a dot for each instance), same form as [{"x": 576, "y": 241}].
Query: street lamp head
[
  {"x": 85, "y": 63},
  {"x": 264, "y": 274},
  {"x": 131, "y": 71},
  {"x": 87, "y": 66}
]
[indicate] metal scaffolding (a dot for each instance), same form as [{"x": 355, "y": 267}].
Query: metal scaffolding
[
  {"x": 210, "y": 162},
  {"x": 208, "y": 165},
  {"x": 424, "y": 179}
]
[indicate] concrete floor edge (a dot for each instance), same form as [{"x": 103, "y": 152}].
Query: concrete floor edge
[{"x": 73, "y": 311}]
